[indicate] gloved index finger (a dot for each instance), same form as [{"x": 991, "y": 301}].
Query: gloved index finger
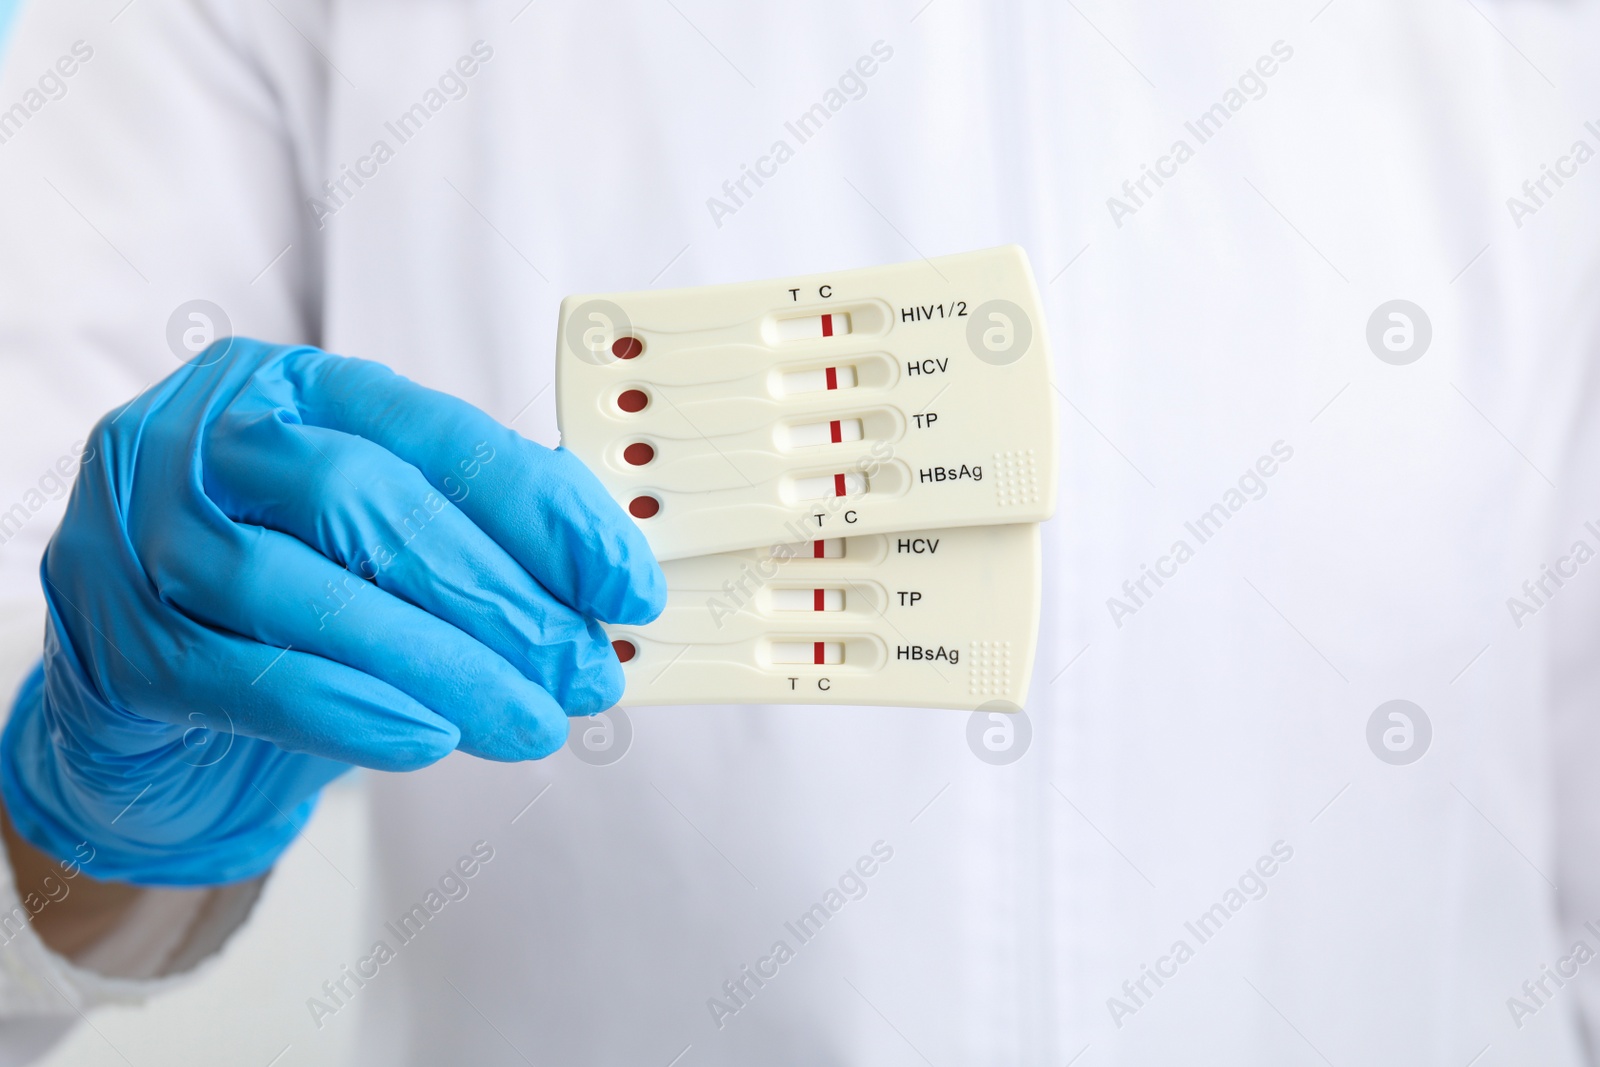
[{"x": 543, "y": 507}]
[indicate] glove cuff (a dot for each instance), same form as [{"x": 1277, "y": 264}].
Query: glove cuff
[{"x": 82, "y": 808}]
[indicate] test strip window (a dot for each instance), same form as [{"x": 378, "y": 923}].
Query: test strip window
[
  {"x": 818, "y": 653},
  {"x": 814, "y": 327},
  {"x": 828, "y": 485},
  {"x": 820, "y": 380},
  {"x": 808, "y": 599},
  {"x": 823, "y": 433}
]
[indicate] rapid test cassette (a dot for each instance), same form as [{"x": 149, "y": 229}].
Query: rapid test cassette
[
  {"x": 913, "y": 396},
  {"x": 934, "y": 618}
]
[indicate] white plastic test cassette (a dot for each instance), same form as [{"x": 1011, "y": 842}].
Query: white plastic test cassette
[
  {"x": 936, "y": 618},
  {"x": 914, "y": 396}
]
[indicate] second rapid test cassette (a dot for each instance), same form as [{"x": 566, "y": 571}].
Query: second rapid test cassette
[
  {"x": 913, "y": 396},
  {"x": 932, "y": 618}
]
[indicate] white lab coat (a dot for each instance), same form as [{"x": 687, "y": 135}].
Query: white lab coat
[{"x": 1218, "y": 725}]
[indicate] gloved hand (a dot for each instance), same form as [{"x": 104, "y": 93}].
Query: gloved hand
[{"x": 279, "y": 562}]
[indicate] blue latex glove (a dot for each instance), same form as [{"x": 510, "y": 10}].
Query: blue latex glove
[{"x": 279, "y": 562}]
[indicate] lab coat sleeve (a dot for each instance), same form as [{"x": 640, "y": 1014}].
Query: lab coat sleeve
[
  {"x": 151, "y": 154},
  {"x": 167, "y": 938}
]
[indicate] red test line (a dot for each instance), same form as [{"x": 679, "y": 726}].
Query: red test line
[
  {"x": 827, "y": 325},
  {"x": 816, "y": 600},
  {"x": 833, "y": 377},
  {"x": 818, "y": 550},
  {"x": 835, "y": 432},
  {"x": 816, "y": 652},
  {"x": 838, "y": 485}
]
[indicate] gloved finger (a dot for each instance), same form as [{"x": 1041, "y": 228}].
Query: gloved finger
[
  {"x": 544, "y": 507},
  {"x": 370, "y": 512},
  {"x": 146, "y": 804},
  {"x": 230, "y": 685},
  {"x": 303, "y": 702},
  {"x": 272, "y": 588},
  {"x": 149, "y": 791}
]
